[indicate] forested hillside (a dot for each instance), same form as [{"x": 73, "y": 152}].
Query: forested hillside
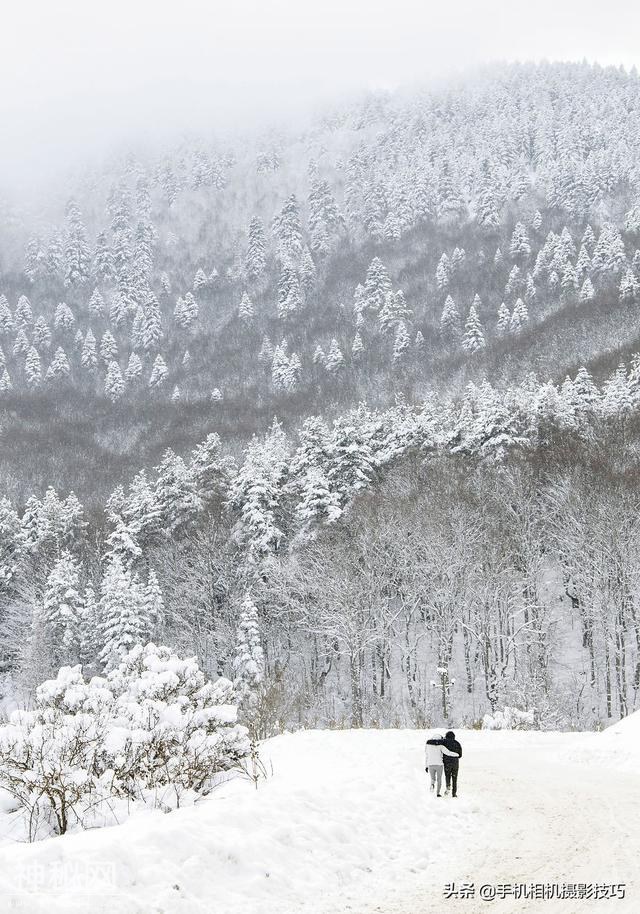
[{"x": 349, "y": 410}]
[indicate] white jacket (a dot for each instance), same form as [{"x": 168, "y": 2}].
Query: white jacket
[{"x": 433, "y": 754}]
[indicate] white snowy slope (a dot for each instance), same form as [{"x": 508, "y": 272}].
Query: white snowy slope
[{"x": 345, "y": 823}]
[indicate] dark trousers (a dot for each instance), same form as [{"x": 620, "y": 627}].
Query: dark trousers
[{"x": 451, "y": 775}]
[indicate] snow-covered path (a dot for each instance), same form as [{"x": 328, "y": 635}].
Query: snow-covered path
[
  {"x": 545, "y": 818},
  {"x": 345, "y": 825}
]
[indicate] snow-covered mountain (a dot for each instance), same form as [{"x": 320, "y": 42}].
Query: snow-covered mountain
[{"x": 365, "y": 391}]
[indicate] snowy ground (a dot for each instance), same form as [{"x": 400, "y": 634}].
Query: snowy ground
[{"x": 345, "y": 824}]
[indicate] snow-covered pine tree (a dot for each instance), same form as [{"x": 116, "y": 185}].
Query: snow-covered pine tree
[
  {"x": 33, "y": 368},
  {"x": 62, "y": 609},
  {"x": 64, "y": 319},
  {"x": 108, "y": 347},
  {"x": 377, "y": 284},
  {"x": 473, "y": 340},
  {"x": 335, "y": 360},
  {"x": 318, "y": 503},
  {"x": 248, "y": 663},
  {"x": 255, "y": 259},
  {"x": 519, "y": 317},
  {"x": 504, "y": 320},
  {"x": 89, "y": 357},
  {"x": 59, "y": 369},
  {"x": 587, "y": 292},
  {"x": 124, "y": 619},
  {"x": 401, "y": 343},
  {"x": 246, "y": 312},
  {"x": 265, "y": 356},
  {"x": 450, "y": 329},
  {"x": 41, "y": 338},
  {"x": 114, "y": 383},
  {"x": 159, "y": 373}
]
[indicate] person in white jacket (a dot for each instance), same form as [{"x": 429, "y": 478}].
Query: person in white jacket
[{"x": 433, "y": 762}]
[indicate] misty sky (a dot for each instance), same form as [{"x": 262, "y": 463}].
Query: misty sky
[{"x": 76, "y": 75}]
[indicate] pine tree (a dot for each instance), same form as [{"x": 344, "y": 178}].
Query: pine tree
[
  {"x": 255, "y": 259},
  {"x": 319, "y": 357},
  {"x": 318, "y": 504},
  {"x": 473, "y": 332},
  {"x": 103, "y": 269},
  {"x": 530, "y": 293},
  {"x": 124, "y": 622},
  {"x": 569, "y": 282},
  {"x": 583, "y": 265},
  {"x": 154, "y": 609},
  {"x": 265, "y": 356},
  {"x": 21, "y": 343},
  {"x": 288, "y": 231},
  {"x": 629, "y": 287},
  {"x": 443, "y": 272},
  {"x": 152, "y": 332},
  {"x": 504, "y": 319},
  {"x": 248, "y": 663},
  {"x": 419, "y": 342},
  {"x": 118, "y": 308},
  {"x": 33, "y": 368},
  {"x": 353, "y": 465},
  {"x": 457, "y": 260},
  {"x": 280, "y": 366},
  {"x": 308, "y": 272},
  {"x": 514, "y": 283},
  {"x": 335, "y": 360},
  {"x": 114, "y": 384},
  {"x": 7, "y": 324},
  {"x": 393, "y": 312},
  {"x": 41, "y": 334},
  {"x": 245, "y": 311},
  {"x": 401, "y": 343},
  {"x": 519, "y": 318},
  {"x": 88, "y": 357},
  {"x": 59, "y": 369},
  {"x": 134, "y": 368},
  {"x": 159, "y": 373},
  {"x": 289, "y": 293},
  {"x": 108, "y": 347},
  {"x": 357, "y": 348},
  {"x": 200, "y": 280},
  {"x": 450, "y": 330},
  {"x": 520, "y": 248},
  {"x": 377, "y": 284},
  {"x": 23, "y": 315},
  {"x": 62, "y": 609},
  {"x": 256, "y": 493},
  {"x": 64, "y": 319},
  {"x": 5, "y": 382},
  {"x": 587, "y": 292},
  {"x": 76, "y": 250}
]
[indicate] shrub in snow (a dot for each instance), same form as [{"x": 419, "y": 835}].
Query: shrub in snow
[
  {"x": 509, "y": 719},
  {"x": 153, "y": 724}
]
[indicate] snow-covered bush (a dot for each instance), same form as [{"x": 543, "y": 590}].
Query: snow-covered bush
[
  {"x": 509, "y": 719},
  {"x": 169, "y": 724},
  {"x": 153, "y": 723}
]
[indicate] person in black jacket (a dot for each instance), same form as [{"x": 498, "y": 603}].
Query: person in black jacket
[{"x": 451, "y": 764}]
